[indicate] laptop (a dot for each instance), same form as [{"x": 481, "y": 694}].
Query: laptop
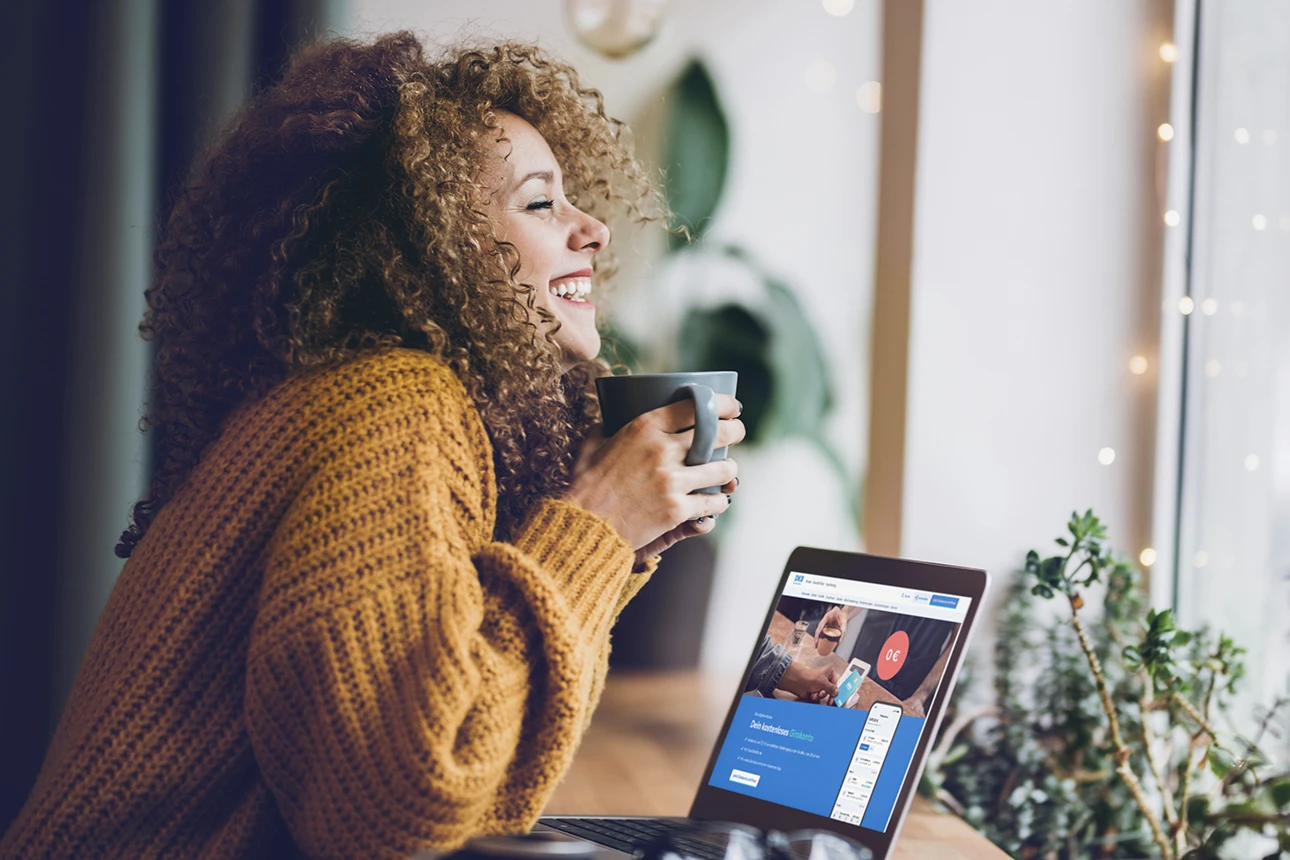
[{"x": 839, "y": 704}]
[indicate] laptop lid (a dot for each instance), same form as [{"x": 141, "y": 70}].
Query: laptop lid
[{"x": 890, "y": 634}]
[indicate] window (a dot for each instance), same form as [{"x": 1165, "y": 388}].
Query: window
[{"x": 1224, "y": 463}]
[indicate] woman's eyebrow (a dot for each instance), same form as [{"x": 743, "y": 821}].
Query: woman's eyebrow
[{"x": 545, "y": 175}]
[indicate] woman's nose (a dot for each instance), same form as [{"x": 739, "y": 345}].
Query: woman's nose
[{"x": 589, "y": 235}]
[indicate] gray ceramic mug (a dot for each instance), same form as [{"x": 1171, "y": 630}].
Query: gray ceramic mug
[{"x": 622, "y": 398}]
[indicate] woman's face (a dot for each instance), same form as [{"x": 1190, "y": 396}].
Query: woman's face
[{"x": 556, "y": 241}]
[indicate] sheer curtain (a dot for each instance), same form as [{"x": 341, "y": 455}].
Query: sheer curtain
[{"x": 1233, "y": 517}]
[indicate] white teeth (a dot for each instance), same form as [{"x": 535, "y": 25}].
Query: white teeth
[{"x": 574, "y": 289}]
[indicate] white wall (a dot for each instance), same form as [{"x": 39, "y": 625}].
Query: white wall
[
  {"x": 800, "y": 194},
  {"x": 1031, "y": 227}
]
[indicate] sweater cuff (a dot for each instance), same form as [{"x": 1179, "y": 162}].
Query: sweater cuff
[{"x": 584, "y": 555}]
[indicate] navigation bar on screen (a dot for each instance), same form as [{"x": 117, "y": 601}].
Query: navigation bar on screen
[{"x": 888, "y": 598}]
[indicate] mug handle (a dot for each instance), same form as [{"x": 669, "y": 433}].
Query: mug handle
[{"x": 705, "y": 424}]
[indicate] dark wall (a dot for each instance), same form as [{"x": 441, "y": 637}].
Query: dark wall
[{"x": 44, "y": 67}]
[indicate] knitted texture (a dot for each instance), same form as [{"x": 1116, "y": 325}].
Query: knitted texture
[{"x": 320, "y": 642}]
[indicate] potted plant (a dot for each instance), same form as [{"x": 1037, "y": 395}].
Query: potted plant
[{"x": 1103, "y": 739}]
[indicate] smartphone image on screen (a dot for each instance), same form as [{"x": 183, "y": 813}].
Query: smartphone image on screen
[{"x": 849, "y": 686}]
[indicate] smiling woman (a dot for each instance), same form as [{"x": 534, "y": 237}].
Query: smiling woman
[{"x": 368, "y": 598}]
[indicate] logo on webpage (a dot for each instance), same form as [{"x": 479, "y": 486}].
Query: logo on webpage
[{"x": 798, "y": 577}]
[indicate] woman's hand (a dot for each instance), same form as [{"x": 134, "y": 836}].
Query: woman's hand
[{"x": 637, "y": 479}]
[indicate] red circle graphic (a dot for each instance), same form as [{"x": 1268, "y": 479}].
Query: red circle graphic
[{"x": 893, "y": 654}]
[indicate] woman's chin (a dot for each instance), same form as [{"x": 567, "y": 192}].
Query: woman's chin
[{"x": 574, "y": 351}]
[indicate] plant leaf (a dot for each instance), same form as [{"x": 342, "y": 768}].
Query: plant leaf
[
  {"x": 696, "y": 151},
  {"x": 1279, "y": 789},
  {"x": 805, "y": 384},
  {"x": 1220, "y": 762}
]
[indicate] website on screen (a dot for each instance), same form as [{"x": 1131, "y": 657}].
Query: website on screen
[{"x": 843, "y": 677}]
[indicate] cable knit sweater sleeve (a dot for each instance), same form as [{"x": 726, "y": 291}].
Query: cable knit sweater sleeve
[{"x": 411, "y": 682}]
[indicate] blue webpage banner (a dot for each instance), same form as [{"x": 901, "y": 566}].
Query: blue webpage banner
[{"x": 796, "y": 754}]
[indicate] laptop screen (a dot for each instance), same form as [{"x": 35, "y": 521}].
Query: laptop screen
[{"x": 834, "y": 707}]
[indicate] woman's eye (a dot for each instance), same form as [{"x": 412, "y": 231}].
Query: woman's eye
[{"x": 540, "y": 204}]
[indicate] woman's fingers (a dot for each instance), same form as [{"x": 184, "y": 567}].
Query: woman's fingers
[
  {"x": 679, "y": 416},
  {"x": 706, "y": 506},
  {"x": 730, "y": 431},
  {"x": 694, "y": 528},
  {"x": 715, "y": 474}
]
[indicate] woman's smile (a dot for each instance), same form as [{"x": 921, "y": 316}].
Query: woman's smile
[{"x": 574, "y": 288}]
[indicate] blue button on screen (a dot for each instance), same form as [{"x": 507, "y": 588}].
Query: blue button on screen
[{"x": 947, "y": 602}]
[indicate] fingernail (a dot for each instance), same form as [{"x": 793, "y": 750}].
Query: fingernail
[
  {"x": 741, "y": 409},
  {"x": 729, "y": 501},
  {"x": 701, "y": 520},
  {"x": 736, "y": 482}
]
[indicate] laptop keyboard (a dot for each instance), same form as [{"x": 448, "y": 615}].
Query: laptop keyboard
[{"x": 632, "y": 834}]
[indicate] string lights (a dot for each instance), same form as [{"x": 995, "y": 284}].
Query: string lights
[
  {"x": 869, "y": 97},
  {"x": 821, "y": 76},
  {"x": 1138, "y": 364}
]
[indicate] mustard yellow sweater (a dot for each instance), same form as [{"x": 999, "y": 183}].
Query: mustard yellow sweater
[{"x": 320, "y": 642}]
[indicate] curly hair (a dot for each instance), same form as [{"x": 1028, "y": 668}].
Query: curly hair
[{"x": 341, "y": 211}]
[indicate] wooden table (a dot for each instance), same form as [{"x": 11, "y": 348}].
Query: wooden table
[{"x": 648, "y": 744}]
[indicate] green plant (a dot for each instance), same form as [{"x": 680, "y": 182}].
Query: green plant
[{"x": 1103, "y": 740}]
